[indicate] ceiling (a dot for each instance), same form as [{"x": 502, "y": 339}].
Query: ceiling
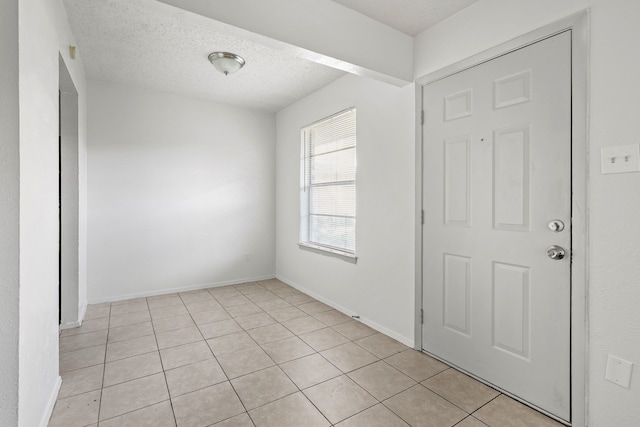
[
  {"x": 408, "y": 16},
  {"x": 150, "y": 44}
]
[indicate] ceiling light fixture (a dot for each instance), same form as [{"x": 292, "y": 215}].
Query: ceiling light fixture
[{"x": 225, "y": 62}]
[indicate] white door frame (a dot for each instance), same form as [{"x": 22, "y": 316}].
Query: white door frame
[
  {"x": 578, "y": 24},
  {"x": 69, "y": 233}
]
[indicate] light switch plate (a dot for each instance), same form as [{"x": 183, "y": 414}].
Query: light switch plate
[
  {"x": 621, "y": 159},
  {"x": 619, "y": 371}
]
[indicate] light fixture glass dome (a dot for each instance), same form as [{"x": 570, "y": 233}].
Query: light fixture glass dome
[{"x": 225, "y": 62}]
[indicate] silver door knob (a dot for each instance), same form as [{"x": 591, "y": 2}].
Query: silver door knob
[
  {"x": 556, "y": 225},
  {"x": 555, "y": 252}
]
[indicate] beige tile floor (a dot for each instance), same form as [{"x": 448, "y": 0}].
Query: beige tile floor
[{"x": 259, "y": 354}]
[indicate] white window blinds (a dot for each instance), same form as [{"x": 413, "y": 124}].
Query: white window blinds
[{"x": 328, "y": 184}]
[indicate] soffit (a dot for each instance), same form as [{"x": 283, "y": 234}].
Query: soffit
[{"x": 408, "y": 16}]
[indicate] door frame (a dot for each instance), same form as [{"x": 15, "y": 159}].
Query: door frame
[
  {"x": 578, "y": 25},
  {"x": 69, "y": 200}
]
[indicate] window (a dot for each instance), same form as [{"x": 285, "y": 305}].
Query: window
[{"x": 328, "y": 184}]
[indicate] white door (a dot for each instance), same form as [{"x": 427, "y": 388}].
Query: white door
[{"x": 497, "y": 174}]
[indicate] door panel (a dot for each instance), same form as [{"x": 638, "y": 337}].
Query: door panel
[{"x": 497, "y": 170}]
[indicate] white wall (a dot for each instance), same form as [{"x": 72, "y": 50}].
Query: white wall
[
  {"x": 44, "y": 34},
  {"x": 380, "y": 286},
  {"x": 614, "y": 200},
  {"x": 180, "y": 190},
  {"x": 10, "y": 214}
]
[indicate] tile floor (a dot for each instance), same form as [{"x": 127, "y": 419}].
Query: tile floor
[{"x": 259, "y": 354}]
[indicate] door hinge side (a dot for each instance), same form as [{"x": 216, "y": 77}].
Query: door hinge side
[
  {"x": 422, "y": 316},
  {"x": 422, "y": 117},
  {"x": 422, "y": 217}
]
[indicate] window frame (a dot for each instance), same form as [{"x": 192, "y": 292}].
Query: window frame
[{"x": 305, "y": 228}]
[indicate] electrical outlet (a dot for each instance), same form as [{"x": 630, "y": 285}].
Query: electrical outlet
[
  {"x": 619, "y": 371},
  {"x": 621, "y": 159}
]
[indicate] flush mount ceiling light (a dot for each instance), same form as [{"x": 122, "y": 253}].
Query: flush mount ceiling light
[{"x": 225, "y": 62}]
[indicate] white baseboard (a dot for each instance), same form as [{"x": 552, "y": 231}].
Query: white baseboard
[
  {"x": 51, "y": 403},
  {"x": 71, "y": 325},
  {"x": 180, "y": 289},
  {"x": 382, "y": 329},
  {"x": 82, "y": 310}
]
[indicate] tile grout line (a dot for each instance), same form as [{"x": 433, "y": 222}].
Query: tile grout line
[
  {"x": 218, "y": 362},
  {"x": 164, "y": 371},
  {"x": 104, "y": 366},
  {"x": 134, "y": 379},
  {"x": 499, "y": 394},
  {"x": 378, "y": 401},
  {"x": 396, "y": 414},
  {"x": 145, "y": 376},
  {"x": 299, "y": 390},
  {"x": 321, "y": 382},
  {"x": 466, "y": 418},
  {"x": 453, "y": 403},
  {"x": 395, "y": 394},
  {"x": 246, "y": 411}
]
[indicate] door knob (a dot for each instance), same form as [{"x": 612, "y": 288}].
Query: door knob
[
  {"x": 555, "y": 252},
  {"x": 556, "y": 225}
]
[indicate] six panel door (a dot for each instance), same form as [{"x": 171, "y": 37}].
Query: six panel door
[{"x": 497, "y": 173}]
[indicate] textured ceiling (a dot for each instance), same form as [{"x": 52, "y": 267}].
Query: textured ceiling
[
  {"x": 153, "y": 45},
  {"x": 408, "y": 16}
]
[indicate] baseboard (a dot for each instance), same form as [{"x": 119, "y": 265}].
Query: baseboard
[
  {"x": 82, "y": 310},
  {"x": 382, "y": 329},
  {"x": 71, "y": 325},
  {"x": 51, "y": 403},
  {"x": 180, "y": 289}
]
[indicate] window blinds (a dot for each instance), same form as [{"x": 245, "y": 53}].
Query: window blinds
[{"x": 328, "y": 192}]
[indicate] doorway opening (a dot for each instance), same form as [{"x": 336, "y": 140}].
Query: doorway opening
[{"x": 68, "y": 183}]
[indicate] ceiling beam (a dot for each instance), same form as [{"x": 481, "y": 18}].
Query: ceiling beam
[{"x": 318, "y": 30}]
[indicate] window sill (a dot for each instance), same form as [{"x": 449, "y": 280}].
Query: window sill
[{"x": 346, "y": 256}]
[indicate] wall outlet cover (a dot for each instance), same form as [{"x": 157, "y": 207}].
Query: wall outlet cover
[{"x": 619, "y": 371}]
